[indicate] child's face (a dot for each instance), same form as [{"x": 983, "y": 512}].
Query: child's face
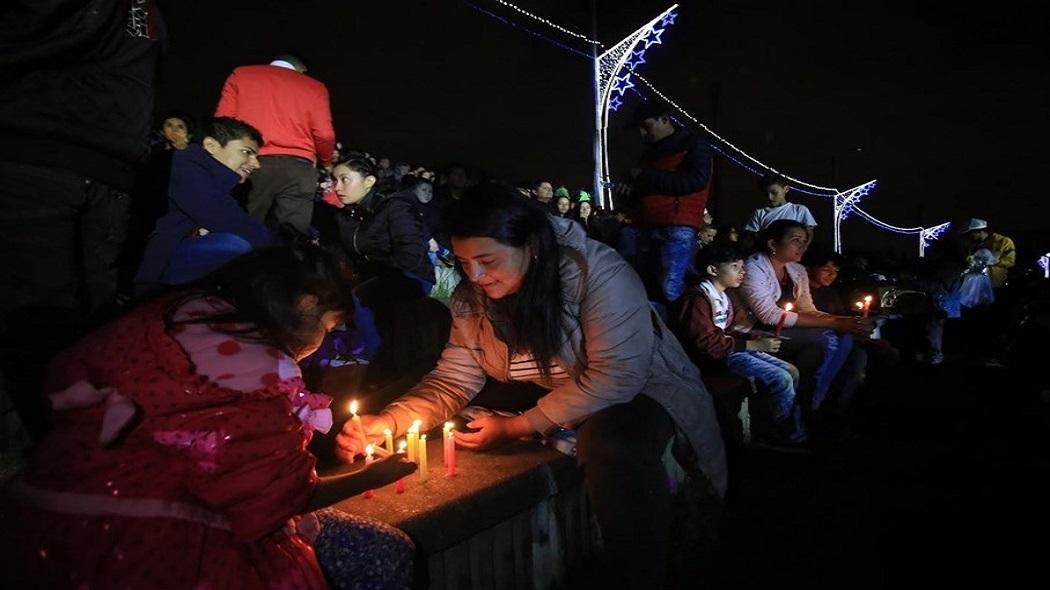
[
  {"x": 777, "y": 194},
  {"x": 728, "y": 274},
  {"x": 824, "y": 276},
  {"x": 707, "y": 235}
]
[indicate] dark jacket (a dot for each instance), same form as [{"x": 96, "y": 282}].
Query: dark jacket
[
  {"x": 76, "y": 85},
  {"x": 385, "y": 232},
  {"x": 705, "y": 343},
  {"x": 674, "y": 182},
  {"x": 198, "y": 197}
]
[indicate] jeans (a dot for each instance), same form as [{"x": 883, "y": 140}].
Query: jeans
[
  {"x": 778, "y": 381},
  {"x": 819, "y": 355},
  {"x": 666, "y": 254},
  {"x": 196, "y": 257}
]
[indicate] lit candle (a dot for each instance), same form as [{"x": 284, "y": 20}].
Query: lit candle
[
  {"x": 399, "y": 487},
  {"x": 450, "y": 454},
  {"x": 357, "y": 423},
  {"x": 413, "y": 440},
  {"x": 444, "y": 441},
  {"x": 867, "y": 305},
  {"x": 783, "y": 316},
  {"x": 423, "y": 475},
  {"x": 368, "y": 461},
  {"x": 389, "y": 436}
]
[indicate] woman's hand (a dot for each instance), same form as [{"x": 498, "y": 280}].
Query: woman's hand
[
  {"x": 858, "y": 327},
  {"x": 348, "y": 442},
  {"x": 493, "y": 430}
]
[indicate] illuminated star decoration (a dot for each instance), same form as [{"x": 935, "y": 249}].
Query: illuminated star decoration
[
  {"x": 615, "y": 103},
  {"x": 669, "y": 19},
  {"x": 623, "y": 84},
  {"x": 1044, "y": 263},
  {"x": 654, "y": 38},
  {"x": 637, "y": 58}
]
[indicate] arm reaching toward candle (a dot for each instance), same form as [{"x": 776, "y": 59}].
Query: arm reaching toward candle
[
  {"x": 356, "y": 434},
  {"x": 384, "y": 471}
]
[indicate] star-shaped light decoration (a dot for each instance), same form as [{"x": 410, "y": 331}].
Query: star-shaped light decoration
[
  {"x": 637, "y": 58},
  {"x": 669, "y": 19},
  {"x": 623, "y": 84},
  {"x": 654, "y": 38},
  {"x": 615, "y": 103}
]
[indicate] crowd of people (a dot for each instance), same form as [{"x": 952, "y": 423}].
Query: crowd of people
[{"x": 255, "y": 238}]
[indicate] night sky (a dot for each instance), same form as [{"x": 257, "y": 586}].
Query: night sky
[{"x": 945, "y": 105}]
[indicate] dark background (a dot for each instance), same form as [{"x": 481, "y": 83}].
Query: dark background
[{"x": 946, "y": 105}]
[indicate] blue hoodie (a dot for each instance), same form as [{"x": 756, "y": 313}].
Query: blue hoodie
[{"x": 198, "y": 197}]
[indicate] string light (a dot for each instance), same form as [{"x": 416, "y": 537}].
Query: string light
[
  {"x": 553, "y": 25},
  {"x": 608, "y": 70}
]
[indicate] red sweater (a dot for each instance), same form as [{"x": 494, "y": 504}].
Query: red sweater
[
  {"x": 290, "y": 109},
  {"x": 674, "y": 183}
]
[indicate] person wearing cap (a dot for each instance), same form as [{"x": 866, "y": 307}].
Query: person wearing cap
[
  {"x": 979, "y": 236},
  {"x": 293, "y": 113},
  {"x": 669, "y": 192}
]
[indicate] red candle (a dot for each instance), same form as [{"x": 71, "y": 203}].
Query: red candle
[
  {"x": 783, "y": 316},
  {"x": 867, "y": 305},
  {"x": 450, "y": 454}
]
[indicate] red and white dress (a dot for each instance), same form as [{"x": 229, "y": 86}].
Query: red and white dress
[{"x": 191, "y": 472}]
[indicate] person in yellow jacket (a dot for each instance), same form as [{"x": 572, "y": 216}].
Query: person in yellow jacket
[{"x": 979, "y": 236}]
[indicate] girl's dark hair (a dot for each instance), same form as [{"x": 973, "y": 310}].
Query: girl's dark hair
[
  {"x": 821, "y": 255},
  {"x": 776, "y": 231},
  {"x": 496, "y": 211},
  {"x": 265, "y": 287},
  {"x": 363, "y": 165}
]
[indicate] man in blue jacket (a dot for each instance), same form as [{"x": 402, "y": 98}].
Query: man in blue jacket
[{"x": 204, "y": 226}]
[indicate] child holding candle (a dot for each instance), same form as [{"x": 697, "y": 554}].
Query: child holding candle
[
  {"x": 542, "y": 305},
  {"x": 703, "y": 321},
  {"x": 817, "y": 343},
  {"x": 201, "y": 477}
]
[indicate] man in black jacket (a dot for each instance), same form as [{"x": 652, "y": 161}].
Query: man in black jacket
[{"x": 75, "y": 107}]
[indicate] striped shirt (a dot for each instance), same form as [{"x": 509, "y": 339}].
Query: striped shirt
[{"x": 524, "y": 368}]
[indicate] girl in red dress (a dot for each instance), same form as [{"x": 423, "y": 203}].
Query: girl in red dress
[{"x": 178, "y": 457}]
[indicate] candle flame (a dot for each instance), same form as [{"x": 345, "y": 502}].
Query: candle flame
[
  {"x": 386, "y": 432},
  {"x": 369, "y": 449},
  {"x": 401, "y": 446},
  {"x": 788, "y": 307},
  {"x": 353, "y": 407},
  {"x": 867, "y": 299},
  {"x": 449, "y": 425},
  {"x": 859, "y": 305},
  {"x": 423, "y": 437}
]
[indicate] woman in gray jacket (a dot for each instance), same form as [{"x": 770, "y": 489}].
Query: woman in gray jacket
[{"x": 543, "y": 304}]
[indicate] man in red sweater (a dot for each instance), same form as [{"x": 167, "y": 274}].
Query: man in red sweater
[{"x": 293, "y": 113}]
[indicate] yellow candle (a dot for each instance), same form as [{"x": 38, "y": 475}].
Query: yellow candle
[
  {"x": 357, "y": 423},
  {"x": 389, "y": 440},
  {"x": 413, "y": 440},
  {"x": 369, "y": 459},
  {"x": 422, "y": 457}
]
